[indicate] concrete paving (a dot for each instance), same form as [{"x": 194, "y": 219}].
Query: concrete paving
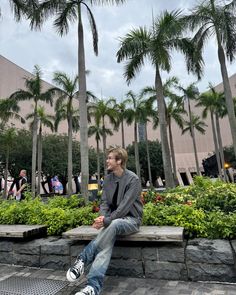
[{"x": 112, "y": 286}]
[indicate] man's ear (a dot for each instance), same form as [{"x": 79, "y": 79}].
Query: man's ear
[{"x": 119, "y": 161}]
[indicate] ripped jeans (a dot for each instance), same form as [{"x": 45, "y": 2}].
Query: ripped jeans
[{"x": 99, "y": 251}]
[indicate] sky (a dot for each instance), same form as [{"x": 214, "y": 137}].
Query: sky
[{"x": 52, "y": 53}]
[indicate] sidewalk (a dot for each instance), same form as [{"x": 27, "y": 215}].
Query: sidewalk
[{"x": 16, "y": 280}]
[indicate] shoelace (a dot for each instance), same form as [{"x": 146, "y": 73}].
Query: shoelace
[
  {"x": 79, "y": 265},
  {"x": 88, "y": 291}
]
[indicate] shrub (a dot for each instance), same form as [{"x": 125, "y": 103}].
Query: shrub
[
  {"x": 204, "y": 209},
  {"x": 59, "y": 214},
  {"x": 177, "y": 215}
]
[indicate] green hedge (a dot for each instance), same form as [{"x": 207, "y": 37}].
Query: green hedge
[
  {"x": 59, "y": 213},
  {"x": 205, "y": 209}
]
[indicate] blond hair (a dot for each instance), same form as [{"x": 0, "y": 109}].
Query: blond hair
[{"x": 120, "y": 154}]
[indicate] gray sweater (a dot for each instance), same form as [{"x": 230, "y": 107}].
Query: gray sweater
[{"x": 128, "y": 199}]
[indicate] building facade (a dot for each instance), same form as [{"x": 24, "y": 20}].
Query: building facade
[{"x": 12, "y": 79}]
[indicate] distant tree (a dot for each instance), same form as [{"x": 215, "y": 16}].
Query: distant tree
[
  {"x": 195, "y": 123},
  {"x": 210, "y": 103},
  {"x": 103, "y": 110},
  {"x": 9, "y": 109},
  {"x": 97, "y": 130},
  {"x": 67, "y": 95},
  {"x": 155, "y": 160},
  {"x": 191, "y": 93},
  {"x": 34, "y": 92},
  {"x": 157, "y": 45},
  {"x": 122, "y": 113},
  {"x": 45, "y": 120},
  {"x": 8, "y": 138}
]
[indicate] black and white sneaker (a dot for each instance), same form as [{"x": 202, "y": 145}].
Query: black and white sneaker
[
  {"x": 76, "y": 271},
  {"x": 86, "y": 291}
]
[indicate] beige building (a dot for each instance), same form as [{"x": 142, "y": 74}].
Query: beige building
[{"x": 12, "y": 79}]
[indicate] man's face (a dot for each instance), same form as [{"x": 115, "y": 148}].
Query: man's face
[{"x": 112, "y": 163}]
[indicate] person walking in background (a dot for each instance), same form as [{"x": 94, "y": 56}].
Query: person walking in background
[
  {"x": 20, "y": 183},
  {"x": 120, "y": 214},
  {"x": 57, "y": 186}
]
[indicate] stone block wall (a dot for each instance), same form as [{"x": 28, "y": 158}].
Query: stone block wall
[{"x": 198, "y": 259}]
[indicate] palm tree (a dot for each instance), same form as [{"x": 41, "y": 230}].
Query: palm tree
[
  {"x": 137, "y": 112},
  {"x": 221, "y": 112},
  {"x": 100, "y": 110},
  {"x": 157, "y": 44},
  {"x": 121, "y": 111},
  {"x": 214, "y": 103},
  {"x": 24, "y": 9},
  {"x": 194, "y": 123},
  {"x": 207, "y": 101},
  {"x": 9, "y": 109},
  {"x": 47, "y": 121},
  {"x": 71, "y": 11},
  {"x": 190, "y": 93},
  {"x": 34, "y": 92},
  {"x": 98, "y": 131},
  {"x": 9, "y": 136},
  {"x": 212, "y": 18},
  {"x": 174, "y": 111},
  {"x": 68, "y": 92}
]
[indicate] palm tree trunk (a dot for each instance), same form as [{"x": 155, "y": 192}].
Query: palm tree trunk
[
  {"x": 39, "y": 159},
  {"x": 34, "y": 152},
  {"x": 98, "y": 165},
  {"x": 228, "y": 95},
  {"x": 69, "y": 164},
  {"x": 123, "y": 134},
  {"x": 83, "y": 110},
  {"x": 222, "y": 157},
  {"x": 193, "y": 137},
  {"x": 148, "y": 157},
  {"x": 169, "y": 180},
  {"x": 216, "y": 144},
  {"x": 195, "y": 151},
  {"x": 225, "y": 78},
  {"x": 104, "y": 141},
  {"x": 6, "y": 173},
  {"x": 136, "y": 151},
  {"x": 172, "y": 151}
]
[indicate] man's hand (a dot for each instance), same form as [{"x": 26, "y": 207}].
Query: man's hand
[{"x": 98, "y": 222}]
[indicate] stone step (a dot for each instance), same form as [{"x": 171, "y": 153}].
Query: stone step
[
  {"x": 22, "y": 230},
  {"x": 146, "y": 233}
]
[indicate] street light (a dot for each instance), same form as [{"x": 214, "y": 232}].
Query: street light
[{"x": 226, "y": 165}]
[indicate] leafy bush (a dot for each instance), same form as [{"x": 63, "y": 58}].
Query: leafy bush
[
  {"x": 59, "y": 214},
  {"x": 66, "y": 203},
  {"x": 176, "y": 215},
  {"x": 204, "y": 209}
]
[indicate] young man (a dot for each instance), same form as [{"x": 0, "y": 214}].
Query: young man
[{"x": 120, "y": 214}]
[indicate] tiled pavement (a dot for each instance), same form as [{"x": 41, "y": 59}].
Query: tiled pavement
[{"x": 113, "y": 285}]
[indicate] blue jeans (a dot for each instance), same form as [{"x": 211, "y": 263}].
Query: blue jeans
[{"x": 98, "y": 251}]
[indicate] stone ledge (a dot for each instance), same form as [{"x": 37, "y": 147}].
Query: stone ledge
[
  {"x": 145, "y": 234},
  {"x": 22, "y": 230},
  {"x": 193, "y": 260}
]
